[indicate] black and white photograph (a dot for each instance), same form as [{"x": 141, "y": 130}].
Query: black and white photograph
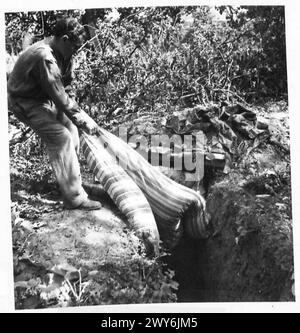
[{"x": 149, "y": 156}]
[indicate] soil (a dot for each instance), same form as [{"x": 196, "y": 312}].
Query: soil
[{"x": 249, "y": 256}]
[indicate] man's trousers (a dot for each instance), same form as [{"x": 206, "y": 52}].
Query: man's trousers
[{"x": 62, "y": 141}]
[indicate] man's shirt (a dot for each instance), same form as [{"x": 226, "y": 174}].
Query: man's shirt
[{"x": 39, "y": 74}]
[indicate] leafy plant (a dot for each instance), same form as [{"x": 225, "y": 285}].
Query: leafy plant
[{"x": 171, "y": 56}]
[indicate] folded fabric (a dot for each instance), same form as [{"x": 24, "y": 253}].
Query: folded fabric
[
  {"x": 122, "y": 189},
  {"x": 175, "y": 207},
  {"x": 224, "y": 126}
]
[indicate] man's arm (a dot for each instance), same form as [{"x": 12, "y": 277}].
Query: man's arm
[{"x": 52, "y": 85}]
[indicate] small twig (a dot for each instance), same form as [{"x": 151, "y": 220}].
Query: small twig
[
  {"x": 189, "y": 95},
  {"x": 232, "y": 93},
  {"x": 129, "y": 16},
  {"x": 278, "y": 144},
  {"x": 242, "y": 34},
  {"x": 22, "y": 137},
  {"x": 25, "y": 242},
  {"x": 81, "y": 287},
  {"x": 72, "y": 289},
  {"x": 87, "y": 42},
  {"x": 139, "y": 43},
  {"x": 80, "y": 284},
  {"x": 43, "y": 26},
  {"x": 221, "y": 54}
]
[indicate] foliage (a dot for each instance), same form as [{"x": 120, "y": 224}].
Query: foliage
[
  {"x": 170, "y": 56},
  {"x": 152, "y": 59},
  {"x": 268, "y": 27},
  {"x": 140, "y": 281},
  {"x": 22, "y": 28},
  {"x": 29, "y": 165},
  {"x": 123, "y": 279}
]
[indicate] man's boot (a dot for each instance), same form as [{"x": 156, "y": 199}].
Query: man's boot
[{"x": 87, "y": 205}]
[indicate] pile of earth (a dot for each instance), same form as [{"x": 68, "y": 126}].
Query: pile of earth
[
  {"x": 249, "y": 256},
  {"x": 66, "y": 258}
]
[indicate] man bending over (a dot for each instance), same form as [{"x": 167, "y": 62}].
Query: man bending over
[{"x": 37, "y": 97}]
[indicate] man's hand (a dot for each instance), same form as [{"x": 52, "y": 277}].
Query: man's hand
[
  {"x": 71, "y": 93},
  {"x": 84, "y": 122},
  {"x": 91, "y": 128},
  {"x": 89, "y": 125}
]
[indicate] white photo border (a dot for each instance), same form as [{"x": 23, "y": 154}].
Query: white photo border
[{"x": 292, "y": 9}]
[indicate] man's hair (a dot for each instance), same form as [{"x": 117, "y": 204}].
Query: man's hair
[{"x": 70, "y": 27}]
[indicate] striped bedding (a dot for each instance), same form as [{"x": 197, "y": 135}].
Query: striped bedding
[
  {"x": 174, "y": 206},
  {"x": 122, "y": 189}
]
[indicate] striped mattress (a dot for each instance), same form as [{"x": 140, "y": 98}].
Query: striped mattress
[{"x": 150, "y": 200}]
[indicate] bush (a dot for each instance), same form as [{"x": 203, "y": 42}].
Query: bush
[{"x": 170, "y": 55}]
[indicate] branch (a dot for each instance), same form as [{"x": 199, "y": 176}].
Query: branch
[
  {"x": 130, "y": 15},
  {"x": 279, "y": 144},
  {"x": 22, "y": 136},
  {"x": 242, "y": 34},
  {"x": 232, "y": 93},
  {"x": 139, "y": 42},
  {"x": 87, "y": 42}
]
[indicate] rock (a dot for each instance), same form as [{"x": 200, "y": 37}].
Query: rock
[{"x": 262, "y": 123}]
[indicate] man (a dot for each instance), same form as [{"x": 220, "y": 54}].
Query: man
[{"x": 37, "y": 97}]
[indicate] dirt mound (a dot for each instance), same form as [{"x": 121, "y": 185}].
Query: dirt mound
[
  {"x": 249, "y": 256},
  {"x": 67, "y": 258}
]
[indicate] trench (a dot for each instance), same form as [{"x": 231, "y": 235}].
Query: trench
[
  {"x": 254, "y": 266},
  {"x": 187, "y": 262},
  {"x": 257, "y": 268}
]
